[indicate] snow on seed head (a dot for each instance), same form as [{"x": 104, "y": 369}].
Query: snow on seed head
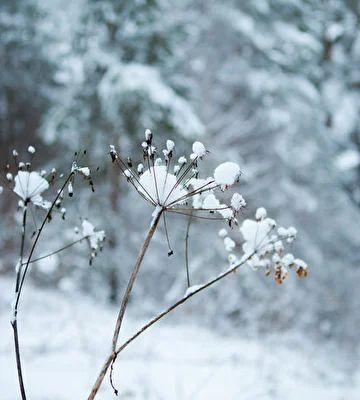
[
  {"x": 199, "y": 149},
  {"x": 226, "y": 174},
  {"x": 222, "y": 232},
  {"x": 160, "y": 186},
  {"x": 85, "y": 171},
  {"x": 70, "y": 189},
  {"x": 30, "y": 186},
  {"x": 94, "y": 238},
  {"x": 229, "y": 244},
  {"x": 255, "y": 234},
  {"x": 182, "y": 160},
  {"x": 279, "y": 246},
  {"x": 288, "y": 259},
  {"x": 140, "y": 168},
  {"x": 227, "y": 213},
  {"x": 260, "y": 213},
  {"x": 170, "y": 145},
  {"x": 211, "y": 202},
  {"x": 128, "y": 173},
  {"x": 31, "y": 149},
  {"x": 148, "y": 135},
  {"x": 237, "y": 202}
]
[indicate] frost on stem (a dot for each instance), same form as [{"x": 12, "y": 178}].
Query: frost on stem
[
  {"x": 265, "y": 247},
  {"x": 192, "y": 289}
]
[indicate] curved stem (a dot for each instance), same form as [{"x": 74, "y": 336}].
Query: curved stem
[
  {"x": 14, "y": 318},
  {"x": 20, "y": 279}
]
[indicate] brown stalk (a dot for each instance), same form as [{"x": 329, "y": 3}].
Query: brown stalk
[
  {"x": 124, "y": 303},
  {"x": 112, "y": 357}
]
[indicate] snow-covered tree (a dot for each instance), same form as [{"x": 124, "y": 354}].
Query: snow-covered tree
[
  {"x": 124, "y": 56},
  {"x": 26, "y": 80}
]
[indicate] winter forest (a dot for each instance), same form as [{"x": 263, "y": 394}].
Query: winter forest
[{"x": 179, "y": 199}]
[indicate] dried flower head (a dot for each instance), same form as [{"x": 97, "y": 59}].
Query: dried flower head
[
  {"x": 263, "y": 247},
  {"x": 29, "y": 186},
  {"x": 173, "y": 184},
  {"x": 94, "y": 238}
]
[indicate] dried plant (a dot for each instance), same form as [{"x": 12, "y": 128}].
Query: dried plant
[
  {"x": 171, "y": 185},
  {"x": 29, "y": 186},
  {"x": 174, "y": 187}
]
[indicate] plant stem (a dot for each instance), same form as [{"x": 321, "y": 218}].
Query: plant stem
[
  {"x": 18, "y": 359},
  {"x": 14, "y": 318},
  {"x": 187, "y": 248},
  {"x": 133, "y": 276},
  {"x": 37, "y": 239},
  {"x": 181, "y": 301},
  {"x": 156, "y": 218},
  {"x": 111, "y": 358},
  {"x": 20, "y": 279},
  {"x": 58, "y": 250}
]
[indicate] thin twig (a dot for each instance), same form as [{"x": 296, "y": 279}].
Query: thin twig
[
  {"x": 170, "y": 250},
  {"x": 14, "y": 320},
  {"x": 183, "y": 300},
  {"x": 174, "y": 211},
  {"x": 37, "y": 239},
  {"x": 123, "y": 167},
  {"x": 187, "y": 249},
  {"x": 180, "y": 179},
  {"x": 57, "y": 251}
]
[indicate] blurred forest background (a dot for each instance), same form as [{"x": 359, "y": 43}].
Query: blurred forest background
[{"x": 271, "y": 84}]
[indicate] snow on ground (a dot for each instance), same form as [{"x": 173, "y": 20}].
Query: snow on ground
[{"x": 65, "y": 337}]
